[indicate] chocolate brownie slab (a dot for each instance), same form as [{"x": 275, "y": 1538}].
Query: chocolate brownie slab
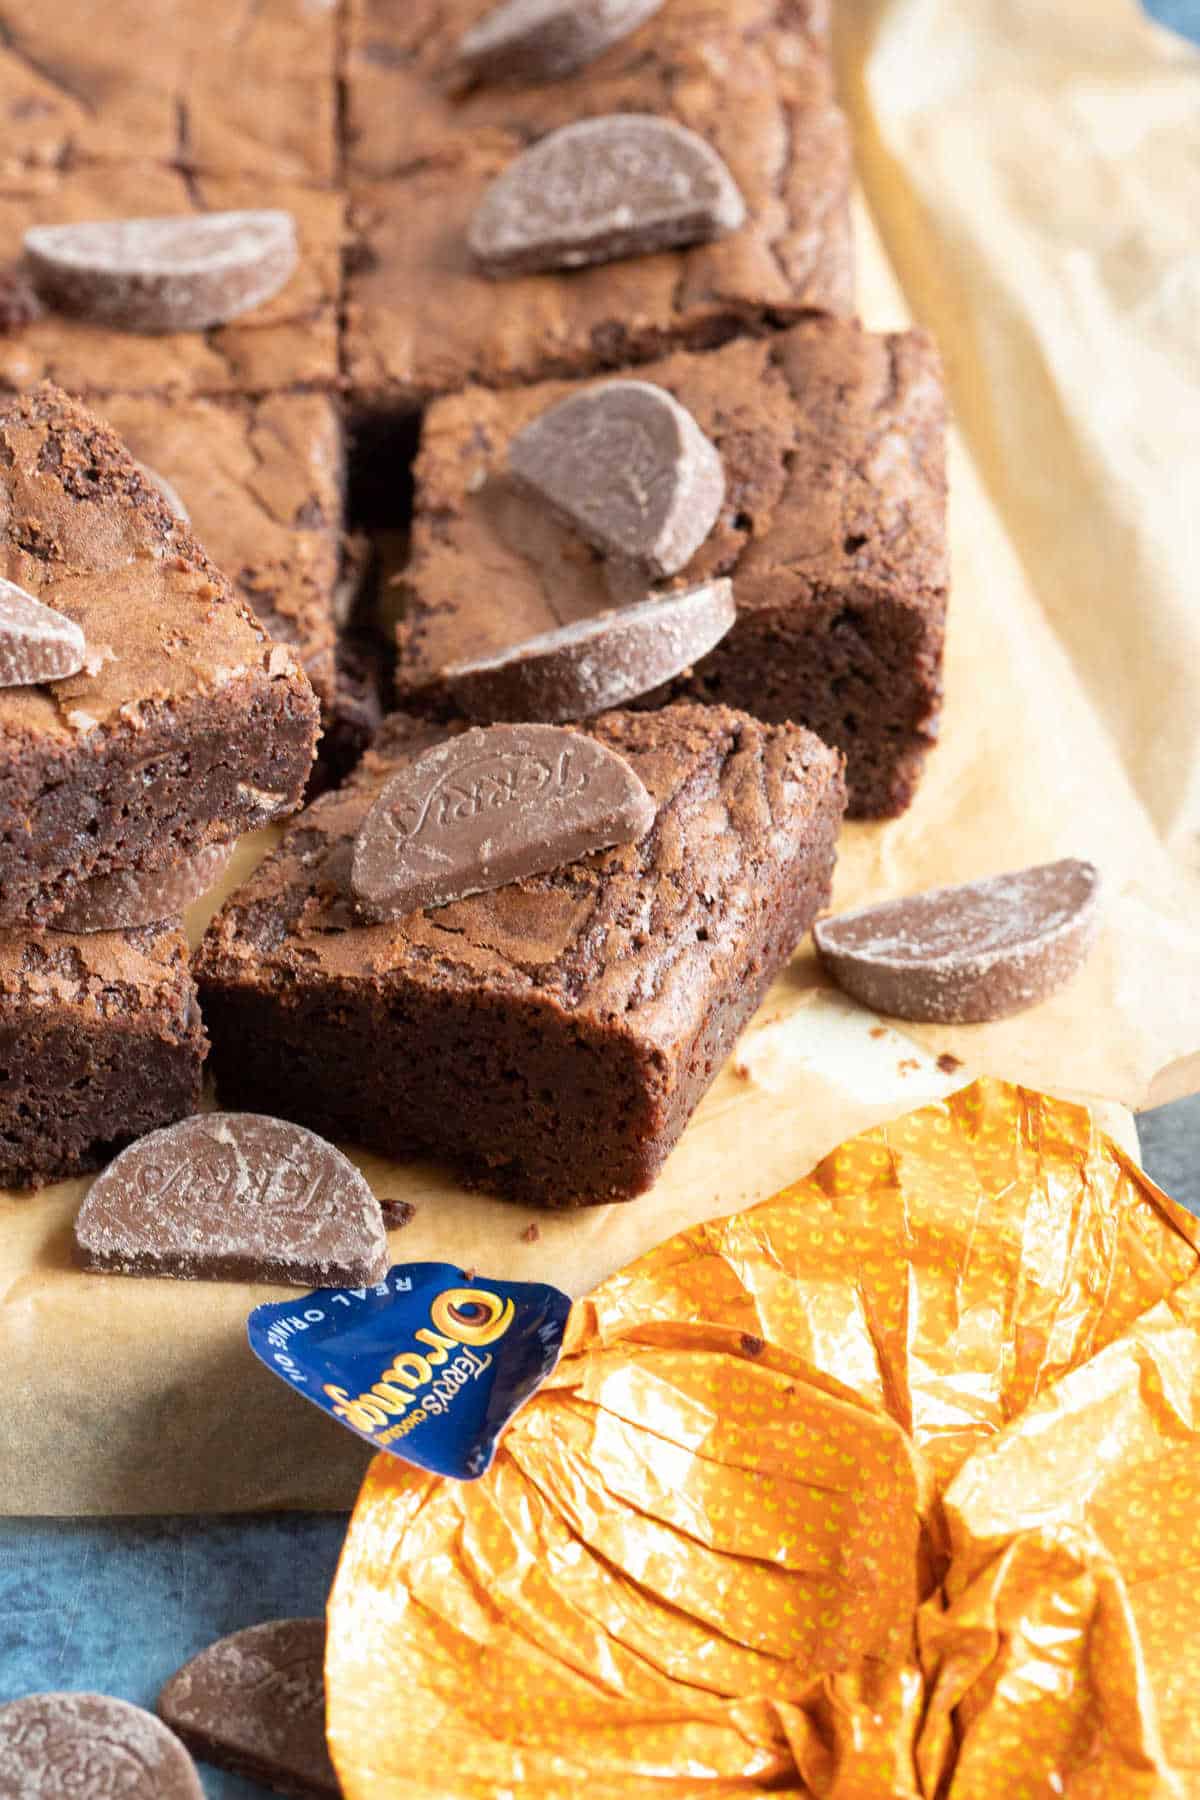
[
  {"x": 833, "y": 530},
  {"x": 219, "y": 86},
  {"x": 405, "y": 101},
  {"x": 288, "y": 342},
  {"x": 186, "y": 725},
  {"x": 100, "y": 1041},
  {"x": 262, "y": 483},
  {"x": 551, "y": 1038},
  {"x": 421, "y": 319}
]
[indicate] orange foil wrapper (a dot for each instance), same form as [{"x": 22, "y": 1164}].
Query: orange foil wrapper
[{"x": 887, "y": 1487}]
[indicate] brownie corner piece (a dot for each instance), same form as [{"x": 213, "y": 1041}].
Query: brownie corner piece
[
  {"x": 187, "y": 724},
  {"x": 101, "y": 1041},
  {"x": 551, "y": 1038},
  {"x": 262, "y": 481},
  {"x": 833, "y": 531},
  {"x": 422, "y": 319}
]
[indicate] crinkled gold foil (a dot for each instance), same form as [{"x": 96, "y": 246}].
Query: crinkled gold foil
[{"x": 883, "y": 1488}]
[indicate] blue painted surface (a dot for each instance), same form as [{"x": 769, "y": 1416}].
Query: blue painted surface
[
  {"x": 1181, "y": 15},
  {"x": 118, "y": 1606}
]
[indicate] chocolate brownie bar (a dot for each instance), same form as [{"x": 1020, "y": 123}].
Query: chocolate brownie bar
[
  {"x": 406, "y": 103},
  {"x": 550, "y": 1038},
  {"x": 100, "y": 1041},
  {"x": 420, "y": 317},
  {"x": 262, "y": 484},
  {"x": 186, "y": 725},
  {"x": 288, "y": 342},
  {"x": 218, "y": 86},
  {"x": 833, "y": 530}
]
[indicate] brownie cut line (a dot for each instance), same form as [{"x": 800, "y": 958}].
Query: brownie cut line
[
  {"x": 832, "y": 529},
  {"x": 552, "y": 1038}
]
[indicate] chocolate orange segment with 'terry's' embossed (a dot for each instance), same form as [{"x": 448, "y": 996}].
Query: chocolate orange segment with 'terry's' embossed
[
  {"x": 234, "y": 1197},
  {"x": 490, "y": 807}
]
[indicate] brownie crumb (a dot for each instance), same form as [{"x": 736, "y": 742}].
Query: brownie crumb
[
  {"x": 741, "y": 1070},
  {"x": 878, "y": 1031},
  {"x": 948, "y": 1064},
  {"x": 908, "y": 1065},
  {"x": 531, "y": 1234},
  {"x": 753, "y": 1346},
  {"x": 19, "y": 304},
  {"x": 397, "y": 1214}
]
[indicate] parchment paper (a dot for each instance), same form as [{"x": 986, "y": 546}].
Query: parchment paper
[{"x": 1026, "y": 163}]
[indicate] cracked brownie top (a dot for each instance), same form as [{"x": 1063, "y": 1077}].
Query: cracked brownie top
[
  {"x": 225, "y": 86},
  {"x": 140, "y": 977},
  {"x": 832, "y": 443},
  {"x": 640, "y": 935},
  {"x": 420, "y": 317}
]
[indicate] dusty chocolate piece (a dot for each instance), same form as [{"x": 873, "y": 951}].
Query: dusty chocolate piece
[
  {"x": 958, "y": 955},
  {"x": 122, "y": 902},
  {"x": 543, "y": 40},
  {"x": 36, "y": 643},
  {"x": 598, "y": 663},
  {"x": 169, "y": 493},
  {"x": 628, "y": 468},
  {"x": 234, "y": 1197},
  {"x": 549, "y": 1039},
  {"x": 490, "y": 807},
  {"x": 184, "y": 273},
  {"x": 833, "y": 533},
  {"x": 624, "y": 185},
  {"x": 397, "y": 1214},
  {"x": 52, "y": 1745},
  {"x": 288, "y": 343},
  {"x": 254, "y": 1703},
  {"x": 186, "y": 725}
]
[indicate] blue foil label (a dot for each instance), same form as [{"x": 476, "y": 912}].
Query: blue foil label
[{"x": 429, "y": 1364}]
